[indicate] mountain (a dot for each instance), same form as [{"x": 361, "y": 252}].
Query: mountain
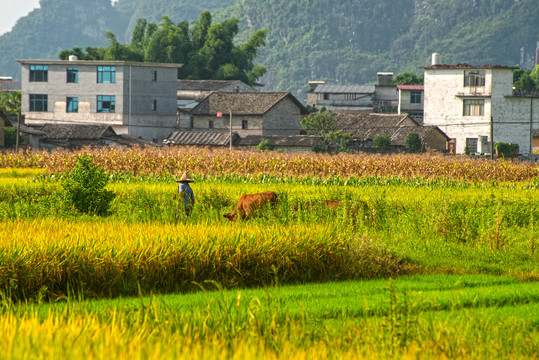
[
  {"x": 349, "y": 41},
  {"x": 339, "y": 41}
]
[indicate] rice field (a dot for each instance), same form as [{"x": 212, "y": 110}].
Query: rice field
[{"x": 315, "y": 283}]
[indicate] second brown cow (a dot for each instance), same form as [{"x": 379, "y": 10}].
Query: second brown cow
[{"x": 250, "y": 203}]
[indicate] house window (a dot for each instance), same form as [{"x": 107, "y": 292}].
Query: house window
[
  {"x": 471, "y": 145},
  {"x": 244, "y": 124},
  {"x": 39, "y": 73},
  {"x": 474, "y": 107},
  {"x": 154, "y": 105},
  {"x": 38, "y": 102},
  {"x": 72, "y": 104},
  {"x": 154, "y": 75},
  {"x": 72, "y": 75},
  {"x": 415, "y": 97},
  {"x": 106, "y": 74},
  {"x": 210, "y": 124},
  {"x": 474, "y": 78},
  {"x": 106, "y": 103}
]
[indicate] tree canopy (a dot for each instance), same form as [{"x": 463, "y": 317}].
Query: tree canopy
[
  {"x": 206, "y": 50},
  {"x": 408, "y": 78}
]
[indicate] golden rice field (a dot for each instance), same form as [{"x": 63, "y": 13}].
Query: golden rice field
[{"x": 402, "y": 216}]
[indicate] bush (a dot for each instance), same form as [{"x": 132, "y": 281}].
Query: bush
[
  {"x": 264, "y": 145},
  {"x": 506, "y": 150},
  {"x": 381, "y": 140},
  {"x": 84, "y": 187},
  {"x": 413, "y": 143},
  {"x": 10, "y": 137}
]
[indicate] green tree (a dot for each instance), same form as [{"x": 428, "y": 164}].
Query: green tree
[
  {"x": 10, "y": 102},
  {"x": 525, "y": 82},
  {"x": 324, "y": 124},
  {"x": 206, "y": 50},
  {"x": 408, "y": 78},
  {"x": 381, "y": 141},
  {"x": 534, "y": 75},
  {"x": 413, "y": 143},
  {"x": 84, "y": 187}
]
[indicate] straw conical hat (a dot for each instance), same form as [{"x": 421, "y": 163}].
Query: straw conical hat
[{"x": 185, "y": 178}]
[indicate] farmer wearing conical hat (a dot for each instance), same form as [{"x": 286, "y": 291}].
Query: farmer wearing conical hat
[{"x": 186, "y": 193}]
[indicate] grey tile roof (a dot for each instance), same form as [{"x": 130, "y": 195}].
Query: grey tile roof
[
  {"x": 10, "y": 85},
  {"x": 243, "y": 103},
  {"x": 77, "y": 131},
  {"x": 345, "y": 89},
  {"x": 280, "y": 140},
  {"x": 204, "y": 85},
  {"x": 200, "y": 138}
]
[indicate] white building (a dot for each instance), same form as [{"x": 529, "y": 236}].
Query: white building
[{"x": 474, "y": 105}]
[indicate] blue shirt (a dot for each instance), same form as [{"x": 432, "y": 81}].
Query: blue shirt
[{"x": 188, "y": 195}]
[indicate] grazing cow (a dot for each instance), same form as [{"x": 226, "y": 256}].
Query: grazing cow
[
  {"x": 326, "y": 204},
  {"x": 251, "y": 203}
]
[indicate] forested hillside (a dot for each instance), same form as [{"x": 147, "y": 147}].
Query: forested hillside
[{"x": 345, "y": 41}]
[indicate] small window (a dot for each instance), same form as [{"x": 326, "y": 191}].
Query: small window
[
  {"x": 106, "y": 74},
  {"x": 106, "y": 103},
  {"x": 154, "y": 75},
  {"x": 38, "y": 102},
  {"x": 210, "y": 124},
  {"x": 39, "y": 73},
  {"x": 72, "y": 75},
  {"x": 474, "y": 78},
  {"x": 72, "y": 104},
  {"x": 474, "y": 107},
  {"x": 244, "y": 124},
  {"x": 415, "y": 97},
  {"x": 154, "y": 105}
]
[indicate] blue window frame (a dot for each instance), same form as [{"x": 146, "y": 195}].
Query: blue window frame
[
  {"x": 106, "y": 74},
  {"x": 106, "y": 103},
  {"x": 72, "y": 75},
  {"x": 38, "y": 102},
  {"x": 72, "y": 104},
  {"x": 415, "y": 97},
  {"x": 39, "y": 73}
]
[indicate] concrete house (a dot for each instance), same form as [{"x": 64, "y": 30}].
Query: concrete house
[
  {"x": 134, "y": 98},
  {"x": 251, "y": 113},
  {"x": 476, "y": 105},
  {"x": 411, "y": 101}
]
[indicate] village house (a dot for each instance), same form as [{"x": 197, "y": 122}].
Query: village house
[
  {"x": 365, "y": 127},
  {"x": 476, "y": 105},
  {"x": 411, "y": 101},
  {"x": 134, "y": 98},
  {"x": 247, "y": 113}
]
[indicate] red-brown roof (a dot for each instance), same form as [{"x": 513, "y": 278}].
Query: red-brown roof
[
  {"x": 411, "y": 87},
  {"x": 467, "y": 66}
]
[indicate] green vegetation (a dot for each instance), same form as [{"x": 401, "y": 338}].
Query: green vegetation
[
  {"x": 381, "y": 141},
  {"x": 324, "y": 124},
  {"x": 206, "y": 50},
  {"x": 413, "y": 143},
  {"x": 408, "y": 78},
  {"x": 84, "y": 187}
]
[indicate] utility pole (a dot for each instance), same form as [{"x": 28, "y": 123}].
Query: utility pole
[
  {"x": 230, "y": 129},
  {"x": 491, "y": 138},
  {"x": 18, "y": 131}
]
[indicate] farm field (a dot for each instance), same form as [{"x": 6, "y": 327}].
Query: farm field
[{"x": 427, "y": 257}]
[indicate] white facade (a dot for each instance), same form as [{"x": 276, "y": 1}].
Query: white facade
[{"x": 471, "y": 104}]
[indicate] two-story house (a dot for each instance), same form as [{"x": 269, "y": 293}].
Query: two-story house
[
  {"x": 134, "y": 98},
  {"x": 411, "y": 101},
  {"x": 476, "y": 105}
]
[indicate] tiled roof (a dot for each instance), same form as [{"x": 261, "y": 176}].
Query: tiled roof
[
  {"x": 205, "y": 85},
  {"x": 399, "y": 135},
  {"x": 345, "y": 89},
  {"x": 367, "y": 126},
  {"x": 411, "y": 87},
  {"x": 243, "y": 103},
  {"x": 199, "y": 138},
  {"x": 279, "y": 140},
  {"x": 76, "y": 131},
  {"x": 10, "y": 85}
]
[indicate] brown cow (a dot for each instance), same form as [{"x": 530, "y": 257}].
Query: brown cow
[{"x": 251, "y": 203}]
